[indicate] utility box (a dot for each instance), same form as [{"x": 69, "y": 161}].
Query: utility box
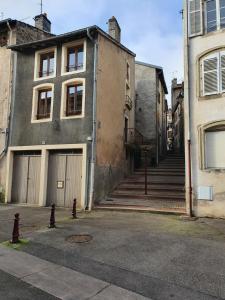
[{"x": 205, "y": 193}]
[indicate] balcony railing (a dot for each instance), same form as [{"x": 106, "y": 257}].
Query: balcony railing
[
  {"x": 128, "y": 102},
  {"x": 133, "y": 137}
]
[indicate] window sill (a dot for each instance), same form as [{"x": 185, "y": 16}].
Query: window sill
[
  {"x": 207, "y": 34},
  {"x": 215, "y": 170},
  {"x": 212, "y": 97},
  {"x": 34, "y": 121},
  {"x": 73, "y": 72},
  {"x": 44, "y": 78},
  {"x": 72, "y": 117}
]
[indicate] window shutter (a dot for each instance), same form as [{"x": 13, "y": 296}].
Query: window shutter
[
  {"x": 210, "y": 75},
  {"x": 222, "y": 70},
  {"x": 195, "y": 17}
]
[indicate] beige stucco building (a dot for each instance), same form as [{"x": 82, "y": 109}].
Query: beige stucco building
[{"x": 204, "y": 101}]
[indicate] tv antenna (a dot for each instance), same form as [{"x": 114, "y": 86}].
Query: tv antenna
[{"x": 41, "y": 4}]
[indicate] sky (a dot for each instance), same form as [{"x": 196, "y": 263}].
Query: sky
[{"x": 150, "y": 28}]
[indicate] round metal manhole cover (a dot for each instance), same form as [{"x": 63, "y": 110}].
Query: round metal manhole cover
[{"x": 79, "y": 238}]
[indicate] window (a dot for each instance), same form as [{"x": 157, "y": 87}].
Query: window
[
  {"x": 73, "y": 98},
  {"x": 42, "y": 104},
  {"x": 74, "y": 57},
  {"x": 214, "y": 148},
  {"x": 213, "y": 73},
  {"x": 47, "y": 61},
  {"x": 215, "y": 15},
  {"x": 195, "y": 17},
  {"x": 128, "y": 73},
  {"x": 45, "y": 64}
]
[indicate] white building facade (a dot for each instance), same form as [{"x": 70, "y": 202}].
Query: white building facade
[{"x": 204, "y": 100}]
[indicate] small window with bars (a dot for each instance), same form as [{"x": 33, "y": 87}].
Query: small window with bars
[
  {"x": 44, "y": 104},
  {"x": 74, "y": 101},
  {"x": 213, "y": 74}
]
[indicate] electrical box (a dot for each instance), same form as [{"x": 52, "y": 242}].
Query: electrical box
[{"x": 205, "y": 193}]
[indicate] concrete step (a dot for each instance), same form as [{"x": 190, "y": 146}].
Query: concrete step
[
  {"x": 141, "y": 180},
  {"x": 161, "y": 173},
  {"x": 141, "y": 196},
  {"x": 179, "y": 188}
]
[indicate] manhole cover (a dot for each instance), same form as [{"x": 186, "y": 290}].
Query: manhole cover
[{"x": 79, "y": 238}]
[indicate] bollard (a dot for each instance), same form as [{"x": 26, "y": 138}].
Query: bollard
[
  {"x": 15, "y": 234},
  {"x": 74, "y": 213},
  {"x": 52, "y": 217}
]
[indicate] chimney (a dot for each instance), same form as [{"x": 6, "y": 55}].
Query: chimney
[
  {"x": 114, "y": 29},
  {"x": 42, "y": 22}
]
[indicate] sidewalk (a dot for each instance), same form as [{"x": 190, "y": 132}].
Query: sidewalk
[{"x": 59, "y": 281}]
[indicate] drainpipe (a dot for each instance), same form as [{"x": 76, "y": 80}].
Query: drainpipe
[
  {"x": 93, "y": 146},
  {"x": 6, "y": 130},
  {"x": 188, "y": 107}
]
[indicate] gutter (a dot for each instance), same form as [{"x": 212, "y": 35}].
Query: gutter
[
  {"x": 6, "y": 130},
  {"x": 93, "y": 145},
  {"x": 188, "y": 107}
]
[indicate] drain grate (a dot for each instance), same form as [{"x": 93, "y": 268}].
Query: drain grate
[{"x": 79, "y": 238}]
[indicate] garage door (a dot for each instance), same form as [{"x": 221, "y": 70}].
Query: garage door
[
  {"x": 64, "y": 179},
  {"x": 26, "y": 178}
]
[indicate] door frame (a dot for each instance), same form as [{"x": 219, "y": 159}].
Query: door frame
[{"x": 44, "y": 169}]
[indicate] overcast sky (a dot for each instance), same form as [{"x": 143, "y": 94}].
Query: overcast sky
[{"x": 150, "y": 28}]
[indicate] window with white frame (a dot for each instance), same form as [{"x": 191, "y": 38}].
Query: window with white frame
[
  {"x": 215, "y": 15},
  {"x": 213, "y": 73},
  {"x": 74, "y": 57},
  {"x": 42, "y": 104},
  {"x": 45, "y": 64},
  {"x": 73, "y": 95},
  {"x": 214, "y": 148}
]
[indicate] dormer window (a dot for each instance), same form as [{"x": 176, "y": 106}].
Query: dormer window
[
  {"x": 45, "y": 64},
  {"x": 74, "y": 57}
]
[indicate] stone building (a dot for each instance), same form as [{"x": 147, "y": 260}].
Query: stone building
[
  {"x": 11, "y": 32},
  {"x": 204, "y": 102},
  {"x": 169, "y": 129},
  {"x": 177, "y": 96},
  {"x": 74, "y": 96},
  {"x": 151, "y": 108}
]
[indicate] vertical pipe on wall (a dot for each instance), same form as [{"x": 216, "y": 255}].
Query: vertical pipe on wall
[
  {"x": 188, "y": 113},
  {"x": 93, "y": 146}
]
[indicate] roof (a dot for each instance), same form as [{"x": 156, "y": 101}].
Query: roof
[
  {"x": 159, "y": 70},
  {"x": 14, "y": 22},
  {"x": 43, "y": 43}
]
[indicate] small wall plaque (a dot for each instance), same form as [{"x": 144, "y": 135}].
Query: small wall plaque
[{"x": 60, "y": 184}]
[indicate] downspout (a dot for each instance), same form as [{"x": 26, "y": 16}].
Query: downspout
[
  {"x": 187, "y": 49},
  {"x": 93, "y": 145},
  {"x": 6, "y": 131}
]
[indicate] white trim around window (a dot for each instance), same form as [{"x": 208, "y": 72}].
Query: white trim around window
[
  {"x": 36, "y": 90},
  {"x": 65, "y": 57},
  {"x": 37, "y": 63},
  {"x": 64, "y": 98}
]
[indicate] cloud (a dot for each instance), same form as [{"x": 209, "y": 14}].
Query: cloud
[{"x": 152, "y": 29}]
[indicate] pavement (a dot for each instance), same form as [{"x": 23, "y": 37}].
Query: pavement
[{"x": 131, "y": 256}]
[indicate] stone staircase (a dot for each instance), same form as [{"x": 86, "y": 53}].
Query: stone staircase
[{"x": 165, "y": 189}]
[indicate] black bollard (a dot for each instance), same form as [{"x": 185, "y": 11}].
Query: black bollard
[
  {"x": 52, "y": 217},
  {"x": 74, "y": 213},
  {"x": 16, "y": 234}
]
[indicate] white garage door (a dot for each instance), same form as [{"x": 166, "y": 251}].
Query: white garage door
[
  {"x": 26, "y": 179},
  {"x": 64, "y": 179}
]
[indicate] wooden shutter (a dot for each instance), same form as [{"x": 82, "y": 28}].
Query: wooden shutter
[
  {"x": 222, "y": 71},
  {"x": 210, "y": 69},
  {"x": 195, "y": 17},
  {"x": 214, "y": 149}
]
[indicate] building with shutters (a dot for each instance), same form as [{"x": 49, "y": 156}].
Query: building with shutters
[
  {"x": 11, "y": 32},
  {"x": 204, "y": 101},
  {"x": 73, "y": 98}
]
